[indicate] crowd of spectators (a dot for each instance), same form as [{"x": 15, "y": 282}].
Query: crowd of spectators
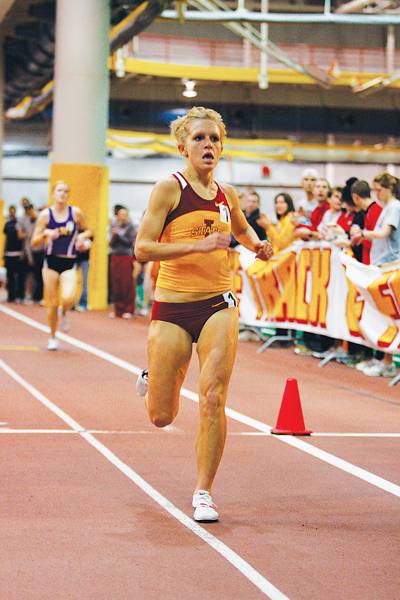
[
  {"x": 357, "y": 217},
  {"x": 23, "y": 263}
]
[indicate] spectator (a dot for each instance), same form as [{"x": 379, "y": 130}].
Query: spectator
[
  {"x": 307, "y": 204},
  {"x": 82, "y": 261},
  {"x": 356, "y": 216},
  {"x": 13, "y": 258},
  {"x": 280, "y": 234},
  {"x": 335, "y": 220},
  {"x": 361, "y": 194},
  {"x": 322, "y": 191},
  {"x": 33, "y": 258},
  {"x": 251, "y": 203},
  {"x": 112, "y": 223},
  {"x": 385, "y": 248},
  {"x": 123, "y": 235}
]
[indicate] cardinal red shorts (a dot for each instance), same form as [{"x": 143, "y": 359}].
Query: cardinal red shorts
[{"x": 192, "y": 316}]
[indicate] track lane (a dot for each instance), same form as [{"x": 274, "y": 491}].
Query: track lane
[
  {"x": 275, "y": 458},
  {"x": 264, "y": 585}
]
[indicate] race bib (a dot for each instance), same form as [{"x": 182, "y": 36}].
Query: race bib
[{"x": 224, "y": 215}]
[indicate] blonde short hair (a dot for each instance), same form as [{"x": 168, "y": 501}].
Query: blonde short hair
[
  {"x": 180, "y": 127},
  {"x": 60, "y": 182}
]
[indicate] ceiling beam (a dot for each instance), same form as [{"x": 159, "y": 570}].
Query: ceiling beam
[
  {"x": 253, "y": 35},
  {"x": 245, "y": 16}
]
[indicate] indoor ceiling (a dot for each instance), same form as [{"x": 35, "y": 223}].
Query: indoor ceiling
[{"x": 28, "y": 30}]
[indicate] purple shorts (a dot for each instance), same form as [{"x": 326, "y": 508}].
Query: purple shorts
[{"x": 192, "y": 316}]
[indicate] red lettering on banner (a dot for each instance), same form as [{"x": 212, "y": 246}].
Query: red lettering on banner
[
  {"x": 312, "y": 282},
  {"x": 388, "y": 337},
  {"x": 385, "y": 292},
  {"x": 321, "y": 273},
  {"x": 285, "y": 272},
  {"x": 303, "y": 271},
  {"x": 354, "y": 309}
]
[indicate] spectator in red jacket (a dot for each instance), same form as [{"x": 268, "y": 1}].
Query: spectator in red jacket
[
  {"x": 322, "y": 191},
  {"x": 361, "y": 194}
]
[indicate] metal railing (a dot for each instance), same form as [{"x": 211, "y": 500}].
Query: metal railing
[{"x": 207, "y": 52}]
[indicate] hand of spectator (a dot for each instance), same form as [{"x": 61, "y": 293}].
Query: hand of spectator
[
  {"x": 303, "y": 233},
  {"x": 355, "y": 235},
  {"x": 263, "y": 250},
  {"x": 263, "y": 221},
  {"x": 342, "y": 241}
]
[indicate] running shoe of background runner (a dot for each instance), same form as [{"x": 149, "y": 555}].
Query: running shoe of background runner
[{"x": 52, "y": 344}]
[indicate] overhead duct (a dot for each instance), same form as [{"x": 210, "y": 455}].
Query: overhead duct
[
  {"x": 140, "y": 20},
  {"x": 30, "y": 54},
  {"x": 29, "y": 59},
  {"x": 45, "y": 11}
]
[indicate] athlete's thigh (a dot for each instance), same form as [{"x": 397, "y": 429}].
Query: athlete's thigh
[
  {"x": 51, "y": 282},
  {"x": 169, "y": 350},
  {"x": 68, "y": 280},
  {"x": 216, "y": 348}
]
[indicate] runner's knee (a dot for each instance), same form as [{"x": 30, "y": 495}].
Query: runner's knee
[
  {"x": 68, "y": 302},
  {"x": 161, "y": 419},
  {"x": 211, "y": 402}
]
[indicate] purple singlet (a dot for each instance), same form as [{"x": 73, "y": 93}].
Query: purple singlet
[{"x": 65, "y": 244}]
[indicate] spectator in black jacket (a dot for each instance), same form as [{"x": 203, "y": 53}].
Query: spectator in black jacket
[
  {"x": 252, "y": 213},
  {"x": 13, "y": 258}
]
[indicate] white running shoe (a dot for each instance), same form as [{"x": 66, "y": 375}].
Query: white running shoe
[
  {"x": 52, "y": 344},
  {"x": 142, "y": 383},
  {"x": 366, "y": 364},
  {"x": 380, "y": 369},
  {"x": 205, "y": 509}
]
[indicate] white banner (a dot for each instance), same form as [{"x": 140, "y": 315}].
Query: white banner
[{"x": 313, "y": 286}]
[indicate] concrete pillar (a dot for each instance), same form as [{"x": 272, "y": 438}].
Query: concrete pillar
[{"x": 80, "y": 122}]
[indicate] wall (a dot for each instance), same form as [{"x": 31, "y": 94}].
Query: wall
[{"x": 133, "y": 179}]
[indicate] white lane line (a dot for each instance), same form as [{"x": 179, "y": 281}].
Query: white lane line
[
  {"x": 232, "y": 557},
  {"x": 324, "y": 434},
  {"x": 9, "y": 430},
  {"x": 177, "y": 431},
  {"x": 366, "y": 435},
  {"x": 94, "y": 431},
  {"x": 331, "y": 459}
]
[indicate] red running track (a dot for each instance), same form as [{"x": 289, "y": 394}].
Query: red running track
[{"x": 96, "y": 501}]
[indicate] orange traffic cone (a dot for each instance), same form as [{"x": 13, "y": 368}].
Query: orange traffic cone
[{"x": 290, "y": 419}]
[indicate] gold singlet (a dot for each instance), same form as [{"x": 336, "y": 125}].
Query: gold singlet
[{"x": 193, "y": 219}]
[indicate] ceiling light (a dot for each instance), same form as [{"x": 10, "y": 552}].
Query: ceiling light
[{"x": 189, "y": 91}]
